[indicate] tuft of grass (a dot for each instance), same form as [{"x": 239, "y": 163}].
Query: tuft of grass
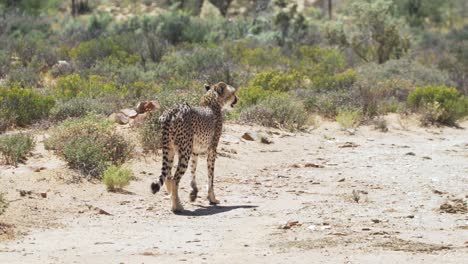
[
  {"x": 349, "y": 118},
  {"x": 380, "y": 124},
  {"x": 14, "y": 148},
  {"x": 115, "y": 178}
]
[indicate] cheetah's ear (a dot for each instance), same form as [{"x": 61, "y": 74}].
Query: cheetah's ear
[
  {"x": 220, "y": 88},
  {"x": 207, "y": 87}
]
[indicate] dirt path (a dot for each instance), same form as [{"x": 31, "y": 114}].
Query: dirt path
[{"x": 321, "y": 196}]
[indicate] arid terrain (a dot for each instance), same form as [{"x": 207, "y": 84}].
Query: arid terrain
[{"x": 318, "y": 196}]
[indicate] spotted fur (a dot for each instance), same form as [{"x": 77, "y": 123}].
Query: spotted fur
[{"x": 189, "y": 131}]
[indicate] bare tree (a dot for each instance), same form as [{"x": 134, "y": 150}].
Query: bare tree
[{"x": 73, "y": 7}]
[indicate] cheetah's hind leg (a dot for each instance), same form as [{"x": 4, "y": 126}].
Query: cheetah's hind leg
[{"x": 193, "y": 183}]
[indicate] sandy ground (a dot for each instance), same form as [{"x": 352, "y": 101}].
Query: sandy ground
[{"x": 321, "y": 196}]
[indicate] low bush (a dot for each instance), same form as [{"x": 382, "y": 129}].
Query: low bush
[
  {"x": 326, "y": 103},
  {"x": 89, "y": 144},
  {"x": 252, "y": 94},
  {"x": 15, "y": 148},
  {"x": 276, "y": 80},
  {"x": 115, "y": 178},
  {"x": 349, "y": 118},
  {"x": 278, "y": 111},
  {"x": 377, "y": 86},
  {"x": 86, "y": 54},
  {"x": 439, "y": 104},
  {"x": 207, "y": 64},
  {"x": 24, "y": 106},
  {"x": 150, "y": 133},
  {"x": 251, "y": 56},
  {"x": 81, "y": 106}
]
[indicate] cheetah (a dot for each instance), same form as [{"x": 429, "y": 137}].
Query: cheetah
[{"x": 190, "y": 131}]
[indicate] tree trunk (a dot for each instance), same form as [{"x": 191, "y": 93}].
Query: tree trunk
[
  {"x": 330, "y": 9},
  {"x": 73, "y": 11}
]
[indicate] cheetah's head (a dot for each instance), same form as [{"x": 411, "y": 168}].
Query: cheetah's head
[{"x": 226, "y": 94}]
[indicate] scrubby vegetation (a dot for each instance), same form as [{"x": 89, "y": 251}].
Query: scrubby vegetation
[
  {"x": 89, "y": 144},
  {"x": 348, "y": 118},
  {"x": 115, "y": 178},
  {"x": 438, "y": 104},
  {"x": 15, "y": 148},
  {"x": 61, "y": 61}
]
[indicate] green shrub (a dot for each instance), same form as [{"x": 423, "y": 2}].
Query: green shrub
[
  {"x": 3, "y": 204},
  {"x": 89, "y": 144},
  {"x": 439, "y": 104},
  {"x": 370, "y": 29},
  {"x": 250, "y": 95},
  {"x": 275, "y": 80},
  {"x": 378, "y": 86},
  {"x": 14, "y": 148},
  {"x": 115, "y": 178},
  {"x": 205, "y": 64},
  {"x": 327, "y": 103},
  {"x": 69, "y": 86},
  {"x": 257, "y": 57},
  {"x": 324, "y": 68},
  {"x": 95, "y": 86},
  {"x": 150, "y": 133},
  {"x": 25, "y": 76},
  {"x": 338, "y": 81},
  {"x": 278, "y": 110},
  {"x": 349, "y": 118},
  {"x": 86, "y": 54},
  {"x": 24, "y": 106}
]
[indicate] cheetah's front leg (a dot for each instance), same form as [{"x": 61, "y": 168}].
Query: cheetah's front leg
[{"x": 211, "y": 163}]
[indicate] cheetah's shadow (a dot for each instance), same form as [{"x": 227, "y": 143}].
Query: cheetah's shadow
[{"x": 212, "y": 210}]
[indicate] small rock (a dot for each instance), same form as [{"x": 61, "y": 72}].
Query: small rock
[
  {"x": 147, "y": 106},
  {"x": 410, "y": 154},
  {"x": 119, "y": 118},
  {"x": 289, "y": 225},
  {"x": 43, "y": 195},
  {"x": 265, "y": 140},
  {"x": 312, "y": 165},
  {"x": 349, "y": 145},
  {"x": 229, "y": 139},
  {"x": 39, "y": 169},
  {"x": 426, "y": 157},
  {"x": 438, "y": 192},
  {"x": 129, "y": 112},
  {"x": 249, "y": 136},
  {"x": 139, "y": 120},
  {"x": 122, "y": 119},
  {"x": 341, "y": 180},
  {"x": 366, "y": 229},
  {"x": 24, "y": 193},
  {"x": 410, "y": 216},
  {"x": 101, "y": 211},
  {"x": 376, "y": 221},
  {"x": 339, "y": 234}
]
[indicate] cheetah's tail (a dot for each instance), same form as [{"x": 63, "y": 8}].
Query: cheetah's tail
[{"x": 165, "y": 123}]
